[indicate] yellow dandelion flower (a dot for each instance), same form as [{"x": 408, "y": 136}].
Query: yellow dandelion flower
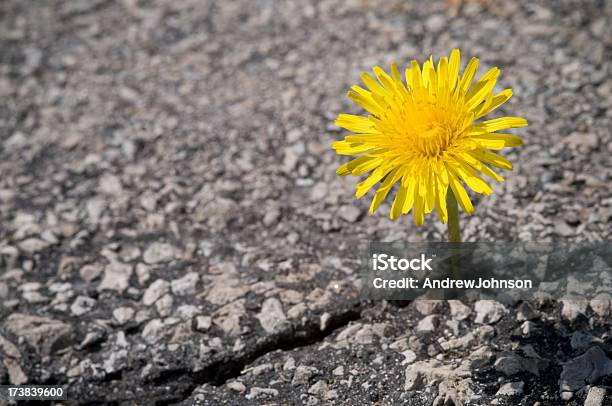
[{"x": 426, "y": 136}]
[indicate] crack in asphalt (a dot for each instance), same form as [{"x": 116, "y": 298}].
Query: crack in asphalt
[{"x": 227, "y": 368}]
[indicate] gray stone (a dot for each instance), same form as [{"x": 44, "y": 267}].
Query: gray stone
[
  {"x": 261, "y": 393},
  {"x": 187, "y": 312},
  {"x": 155, "y": 291},
  {"x": 462, "y": 342},
  {"x": 3, "y": 290},
  {"x": 157, "y": 329},
  {"x": 123, "y": 314},
  {"x": 585, "y": 369},
  {"x": 297, "y": 311},
  {"x": 272, "y": 318},
  {"x": 16, "y": 374},
  {"x": 91, "y": 272},
  {"x": 94, "y": 336},
  {"x": 428, "y": 323},
  {"x": 228, "y": 317},
  {"x": 455, "y": 390},
  {"x": 485, "y": 332},
  {"x": 319, "y": 388},
  {"x": 324, "y": 321},
  {"x": 601, "y": 304},
  {"x": 489, "y": 311},
  {"x": 110, "y": 185},
  {"x": 116, "y": 277},
  {"x": 82, "y": 305},
  {"x": 116, "y": 361},
  {"x": 562, "y": 228},
  {"x": 202, "y": 323},
  {"x": 46, "y": 335},
  {"x": 423, "y": 373},
  {"x": 158, "y": 253},
  {"x": 435, "y": 22},
  {"x": 236, "y": 386},
  {"x": 33, "y": 245},
  {"x": 349, "y": 213},
  {"x": 164, "y": 305},
  {"x": 185, "y": 285},
  {"x": 582, "y": 340},
  {"x": 143, "y": 273},
  {"x": 459, "y": 311},
  {"x": 513, "y": 364},
  {"x": 595, "y": 397},
  {"x": 511, "y": 389},
  {"x": 572, "y": 309},
  {"x": 225, "y": 291},
  {"x": 427, "y": 306},
  {"x": 9, "y": 348},
  {"x": 409, "y": 357},
  {"x": 584, "y": 142},
  {"x": 528, "y": 327},
  {"x": 216, "y": 212},
  {"x": 272, "y": 215},
  {"x": 289, "y": 364},
  {"x": 34, "y": 297},
  {"x": 480, "y": 357},
  {"x": 261, "y": 369}
]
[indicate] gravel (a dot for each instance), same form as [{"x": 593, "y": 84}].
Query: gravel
[
  {"x": 595, "y": 397},
  {"x": 170, "y": 214}
]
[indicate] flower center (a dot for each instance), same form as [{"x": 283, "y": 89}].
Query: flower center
[{"x": 432, "y": 139}]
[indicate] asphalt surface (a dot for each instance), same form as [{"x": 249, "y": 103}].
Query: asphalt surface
[{"x": 172, "y": 229}]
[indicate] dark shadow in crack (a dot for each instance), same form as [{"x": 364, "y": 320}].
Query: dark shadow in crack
[{"x": 230, "y": 367}]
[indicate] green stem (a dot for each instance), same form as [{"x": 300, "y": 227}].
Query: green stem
[{"x": 454, "y": 233}]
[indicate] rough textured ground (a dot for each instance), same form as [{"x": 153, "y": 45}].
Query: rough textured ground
[{"x": 172, "y": 229}]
